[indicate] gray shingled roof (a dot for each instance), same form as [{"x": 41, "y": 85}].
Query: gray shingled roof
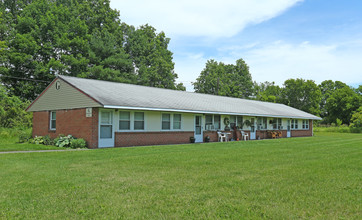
[{"x": 120, "y": 95}]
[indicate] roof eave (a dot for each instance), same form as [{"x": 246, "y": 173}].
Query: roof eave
[{"x": 204, "y": 112}]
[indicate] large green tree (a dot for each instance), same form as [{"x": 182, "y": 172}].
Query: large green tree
[
  {"x": 222, "y": 79},
  {"x": 328, "y": 87},
  {"x": 302, "y": 94},
  {"x": 267, "y": 91},
  {"x": 342, "y": 103},
  {"x": 78, "y": 38}
]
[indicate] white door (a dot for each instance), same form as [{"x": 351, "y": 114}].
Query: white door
[
  {"x": 198, "y": 129},
  {"x": 252, "y": 129},
  {"x": 288, "y": 128},
  {"x": 106, "y": 130}
]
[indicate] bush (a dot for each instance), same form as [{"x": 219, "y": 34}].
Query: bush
[
  {"x": 12, "y": 111},
  {"x": 78, "y": 143},
  {"x": 24, "y": 136},
  {"x": 63, "y": 141},
  {"x": 46, "y": 140}
]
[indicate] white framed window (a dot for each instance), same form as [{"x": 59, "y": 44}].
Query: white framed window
[
  {"x": 212, "y": 122},
  {"x": 139, "y": 121},
  {"x": 171, "y": 121},
  {"x": 176, "y": 121},
  {"x": 124, "y": 120},
  {"x": 262, "y": 123},
  {"x": 166, "y": 121},
  {"x": 305, "y": 124},
  {"x": 52, "y": 119},
  {"x": 294, "y": 124}
]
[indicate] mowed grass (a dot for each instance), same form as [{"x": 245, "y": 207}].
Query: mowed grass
[
  {"x": 12, "y": 144},
  {"x": 310, "y": 178}
]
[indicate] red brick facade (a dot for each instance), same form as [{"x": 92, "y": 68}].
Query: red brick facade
[
  {"x": 72, "y": 122},
  {"x": 125, "y": 139}
]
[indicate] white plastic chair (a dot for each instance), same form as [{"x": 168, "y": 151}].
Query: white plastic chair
[
  {"x": 221, "y": 136},
  {"x": 244, "y": 135}
]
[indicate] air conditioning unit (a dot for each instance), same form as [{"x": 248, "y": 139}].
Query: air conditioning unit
[{"x": 209, "y": 127}]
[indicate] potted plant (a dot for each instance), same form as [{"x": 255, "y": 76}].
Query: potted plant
[
  {"x": 192, "y": 139},
  {"x": 207, "y": 138}
]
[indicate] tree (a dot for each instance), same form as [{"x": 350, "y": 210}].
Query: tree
[
  {"x": 327, "y": 87},
  {"x": 302, "y": 94},
  {"x": 356, "y": 119},
  {"x": 12, "y": 111},
  {"x": 230, "y": 80},
  {"x": 342, "y": 103},
  {"x": 78, "y": 38},
  {"x": 151, "y": 57},
  {"x": 268, "y": 92}
]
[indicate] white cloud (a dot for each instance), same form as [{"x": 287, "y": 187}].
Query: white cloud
[
  {"x": 205, "y": 18},
  {"x": 279, "y": 61}
]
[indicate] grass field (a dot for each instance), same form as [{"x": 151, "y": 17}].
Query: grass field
[
  {"x": 9, "y": 141},
  {"x": 310, "y": 178}
]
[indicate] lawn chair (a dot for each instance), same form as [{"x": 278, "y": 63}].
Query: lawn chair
[
  {"x": 274, "y": 135},
  {"x": 221, "y": 137},
  {"x": 244, "y": 135}
]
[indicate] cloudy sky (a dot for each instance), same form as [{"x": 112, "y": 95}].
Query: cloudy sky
[{"x": 278, "y": 39}]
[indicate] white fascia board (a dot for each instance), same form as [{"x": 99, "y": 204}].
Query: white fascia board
[{"x": 203, "y": 112}]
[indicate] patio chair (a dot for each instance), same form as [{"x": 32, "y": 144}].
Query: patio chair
[
  {"x": 274, "y": 135},
  {"x": 221, "y": 136},
  {"x": 244, "y": 135}
]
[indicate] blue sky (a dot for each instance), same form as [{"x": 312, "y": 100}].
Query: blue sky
[{"x": 279, "y": 39}]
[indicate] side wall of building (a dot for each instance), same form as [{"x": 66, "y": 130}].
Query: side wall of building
[{"x": 72, "y": 122}]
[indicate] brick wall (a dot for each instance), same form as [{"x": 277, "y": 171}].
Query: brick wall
[
  {"x": 72, "y": 122},
  {"x": 126, "y": 139}
]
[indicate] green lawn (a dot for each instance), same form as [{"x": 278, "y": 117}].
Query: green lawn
[
  {"x": 11, "y": 144},
  {"x": 310, "y": 178}
]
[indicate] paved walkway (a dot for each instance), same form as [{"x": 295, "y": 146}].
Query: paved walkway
[{"x": 39, "y": 151}]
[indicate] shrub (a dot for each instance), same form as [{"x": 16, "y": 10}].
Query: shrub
[
  {"x": 42, "y": 140},
  {"x": 12, "y": 110},
  {"x": 78, "y": 143},
  {"x": 24, "y": 136},
  {"x": 63, "y": 141}
]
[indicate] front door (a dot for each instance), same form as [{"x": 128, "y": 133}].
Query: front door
[
  {"x": 288, "y": 128},
  {"x": 252, "y": 129},
  {"x": 106, "y": 130},
  {"x": 198, "y": 129}
]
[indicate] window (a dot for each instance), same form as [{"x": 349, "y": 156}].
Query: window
[
  {"x": 275, "y": 123},
  {"x": 262, "y": 123},
  {"x": 217, "y": 122},
  {"x": 232, "y": 121},
  {"x": 166, "y": 122},
  {"x": 305, "y": 124},
  {"x": 212, "y": 122},
  {"x": 208, "y": 121},
  {"x": 177, "y": 121},
  {"x": 280, "y": 124},
  {"x": 239, "y": 120},
  {"x": 124, "y": 120},
  {"x": 139, "y": 121},
  {"x": 52, "y": 120},
  {"x": 259, "y": 125},
  {"x": 294, "y": 124},
  {"x": 265, "y": 123}
]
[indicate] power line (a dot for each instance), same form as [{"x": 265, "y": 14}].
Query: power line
[{"x": 34, "y": 80}]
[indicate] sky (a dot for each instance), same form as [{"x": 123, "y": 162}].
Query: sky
[{"x": 278, "y": 39}]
